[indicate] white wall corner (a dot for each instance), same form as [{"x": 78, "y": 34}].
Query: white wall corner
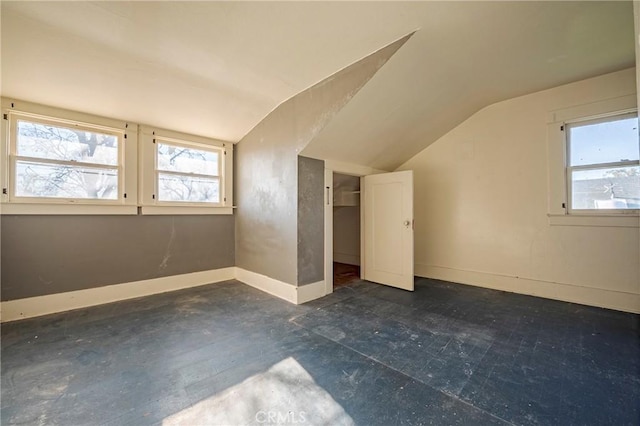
[{"x": 60, "y": 302}]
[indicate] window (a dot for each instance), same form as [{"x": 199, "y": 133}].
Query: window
[
  {"x": 186, "y": 173},
  {"x": 603, "y": 171},
  {"x": 60, "y": 161},
  {"x": 55, "y": 161},
  {"x": 590, "y": 154}
]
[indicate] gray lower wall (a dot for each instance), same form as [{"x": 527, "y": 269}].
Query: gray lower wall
[
  {"x": 53, "y": 254},
  {"x": 310, "y": 220}
]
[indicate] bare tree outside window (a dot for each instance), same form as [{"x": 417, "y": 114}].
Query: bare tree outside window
[
  {"x": 60, "y": 162},
  {"x": 188, "y": 174}
]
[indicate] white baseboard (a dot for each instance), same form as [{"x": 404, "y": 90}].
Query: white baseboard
[
  {"x": 349, "y": 259},
  {"x": 603, "y": 298},
  {"x": 43, "y": 305},
  {"x": 268, "y": 285},
  {"x": 288, "y": 292},
  {"x": 30, "y": 307},
  {"x": 309, "y": 292}
]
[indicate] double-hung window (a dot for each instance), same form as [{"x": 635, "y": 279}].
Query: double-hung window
[
  {"x": 184, "y": 174},
  {"x": 187, "y": 173},
  {"x": 56, "y": 161},
  {"x": 61, "y": 161},
  {"x": 602, "y": 167}
]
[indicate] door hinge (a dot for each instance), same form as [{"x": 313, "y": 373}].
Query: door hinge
[
  {"x": 562, "y": 128},
  {"x": 125, "y": 195},
  {"x": 153, "y": 196},
  {"x": 125, "y": 135},
  {"x": 154, "y": 140},
  {"x": 564, "y": 206},
  {"x": 5, "y": 116},
  {"x": 4, "y": 191}
]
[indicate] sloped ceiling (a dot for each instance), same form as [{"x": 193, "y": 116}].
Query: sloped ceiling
[{"x": 217, "y": 69}]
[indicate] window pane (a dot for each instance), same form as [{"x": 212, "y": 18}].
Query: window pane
[
  {"x": 607, "y": 142},
  {"x": 612, "y": 188},
  {"x": 187, "y": 160},
  {"x": 59, "y": 181},
  {"x": 188, "y": 189},
  {"x": 67, "y": 144}
]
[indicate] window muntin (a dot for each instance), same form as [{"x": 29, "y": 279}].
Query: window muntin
[
  {"x": 603, "y": 171},
  {"x": 60, "y": 160},
  {"x": 188, "y": 173}
]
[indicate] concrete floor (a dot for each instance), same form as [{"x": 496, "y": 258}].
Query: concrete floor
[{"x": 367, "y": 355}]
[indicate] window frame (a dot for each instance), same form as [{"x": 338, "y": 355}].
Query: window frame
[
  {"x": 569, "y": 169},
  {"x": 186, "y": 144},
  {"x": 557, "y": 211},
  {"x": 14, "y": 158},
  {"x": 10, "y": 203},
  {"x": 150, "y": 202}
]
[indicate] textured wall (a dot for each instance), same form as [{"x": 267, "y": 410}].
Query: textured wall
[
  {"x": 310, "y": 220},
  {"x": 267, "y": 157},
  {"x": 52, "y": 254}
]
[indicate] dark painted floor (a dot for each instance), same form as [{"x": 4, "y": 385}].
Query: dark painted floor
[{"x": 366, "y": 355}]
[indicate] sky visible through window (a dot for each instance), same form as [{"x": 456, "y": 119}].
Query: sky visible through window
[
  {"x": 607, "y": 142},
  {"x": 602, "y": 156}
]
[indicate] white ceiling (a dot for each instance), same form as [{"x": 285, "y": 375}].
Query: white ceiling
[{"x": 217, "y": 68}]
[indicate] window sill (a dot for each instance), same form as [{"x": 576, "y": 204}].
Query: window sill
[
  {"x": 47, "y": 209},
  {"x": 618, "y": 221},
  {"x": 185, "y": 210},
  {"x": 65, "y": 209}
]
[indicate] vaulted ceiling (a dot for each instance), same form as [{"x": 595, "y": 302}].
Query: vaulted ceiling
[{"x": 218, "y": 68}]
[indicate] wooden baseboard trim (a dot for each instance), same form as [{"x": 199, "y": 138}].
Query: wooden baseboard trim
[
  {"x": 602, "y": 298},
  {"x": 13, "y": 310}
]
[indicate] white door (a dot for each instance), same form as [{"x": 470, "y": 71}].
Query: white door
[{"x": 388, "y": 229}]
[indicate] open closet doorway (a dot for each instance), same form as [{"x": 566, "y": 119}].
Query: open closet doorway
[
  {"x": 372, "y": 238},
  {"x": 346, "y": 229}
]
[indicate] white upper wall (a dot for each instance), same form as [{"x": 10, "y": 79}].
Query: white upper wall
[
  {"x": 216, "y": 69},
  {"x": 481, "y": 207}
]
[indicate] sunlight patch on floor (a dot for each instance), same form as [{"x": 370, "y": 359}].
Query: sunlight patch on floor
[{"x": 284, "y": 394}]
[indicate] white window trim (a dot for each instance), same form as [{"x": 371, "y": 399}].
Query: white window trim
[
  {"x": 138, "y": 170},
  {"x": 558, "y": 187},
  {"x": 150, "y": 205},
  {"x": 127, "y": 168}
]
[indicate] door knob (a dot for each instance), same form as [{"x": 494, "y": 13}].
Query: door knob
[{"x": 407, "y": 223}]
